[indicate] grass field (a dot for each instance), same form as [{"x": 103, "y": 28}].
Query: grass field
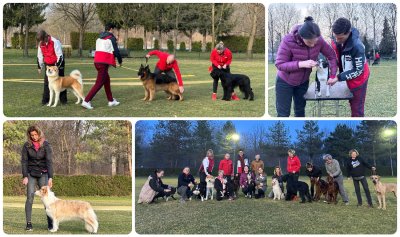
[
  {"x": 22, "y": 88},
  {"x": 114, "y": 215},
  {"x": 378, "y": 104},
  {"x": 265, "y": 216}
]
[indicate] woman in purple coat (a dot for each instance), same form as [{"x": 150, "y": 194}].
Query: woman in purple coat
[{"x": 297, "y": 55}]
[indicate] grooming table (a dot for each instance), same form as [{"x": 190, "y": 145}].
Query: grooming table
[{"x": 338, "y": 92}]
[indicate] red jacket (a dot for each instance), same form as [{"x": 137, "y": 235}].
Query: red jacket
[
  {"x": 49, "y": 52},
  {"x": 221, "y": 59},
  {"x": 293, "y": 164},
  {"x": 163, "y": 66},
  {"x": 226, "y": 166}
]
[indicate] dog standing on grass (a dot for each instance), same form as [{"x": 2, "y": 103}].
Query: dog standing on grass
[
  {"x": 59, "y": 84},
  {"x": 381, "y": 190},
  {"x": 64, "y": 210}
]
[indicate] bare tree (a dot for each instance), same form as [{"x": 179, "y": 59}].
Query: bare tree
[
  {"x": 375, "y": 11},
  {"x": 271, "y": 30},
  {"x": 255, "y": 10},
  {"x": 80, "y": 14},
  {"x": 331, "y": 13},
  {"x": 393, "y": 22}
]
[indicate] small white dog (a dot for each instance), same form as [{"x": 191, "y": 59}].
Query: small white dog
[
  {"x": 210, "y": 188},
  {"x": 278, "y": 194},
  {"x": 63, "y": 210}
]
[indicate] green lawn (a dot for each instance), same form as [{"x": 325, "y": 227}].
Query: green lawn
[
  {"x": 265, "y": 216},
  {"x": 22, "y": 88},
  {"x": 113, "y": 213},
  {"x": 381, "y": 93}
]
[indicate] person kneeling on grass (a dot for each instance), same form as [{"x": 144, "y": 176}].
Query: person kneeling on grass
[
  {"x": 163, "y": 190},
  {"x": 261, "y": 183},
  {"x": 185, "y": 184},
  {"x": 223, "y": 188},
  {"x": 247, "y": 182},
  {"x": 277, "y": 175},
  {"x": 106, "y": 52},
  {"x": 166, "y": 64}
]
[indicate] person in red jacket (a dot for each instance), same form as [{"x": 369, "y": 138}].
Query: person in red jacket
[
  {"x": 221, "y": 59},
  {"x": 166, "y": 64},
  {"x": 50, "y": 54},
  {"x": 227, "y": 166},
  {"x": 106, "y": 52},
  {"x": 293, "y": 169}
]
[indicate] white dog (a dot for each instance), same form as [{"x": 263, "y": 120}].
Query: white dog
[
  {"x": 321, "y": 78},
  {"x": 63, "y": 210},
  {"x": 278, "y": 194},
  {"x": 210, "y": 188}
]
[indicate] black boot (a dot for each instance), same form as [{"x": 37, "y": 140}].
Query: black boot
[
  {"x": 29, "y": 226},
  {"x": 49, "y": 223}
]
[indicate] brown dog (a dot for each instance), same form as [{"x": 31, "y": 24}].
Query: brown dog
[
  {"x": 162, "y": 82},
  {"x": 58, "y": 84},
  {"x": 381, "y": 190},
  {"x": 321, "y": 189},
  {"x": 333, "y": 190}
]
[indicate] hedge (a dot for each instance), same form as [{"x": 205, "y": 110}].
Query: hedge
[
  {"x": 89, "y": 40},
  {"x": 135, "y": 44},
  {"x": 196, "y": 46},
  {"x": 79, "y": 185},
  {"x": 170, "y": 45},
  {"x": 144, "y": 172},
  {"x": 182, "y": 46},
  {"x": 239, "y": 43},
  {"x": 31, "y": 40},
  {"x": 156, "y": 44}
]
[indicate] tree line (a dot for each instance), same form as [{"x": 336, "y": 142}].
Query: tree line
[
  {"x": 377, "y": 23},
  {"x": 174, "y": 144},
  {"x": 212, "y": 19},
  {"x": 79, "y": 147}
]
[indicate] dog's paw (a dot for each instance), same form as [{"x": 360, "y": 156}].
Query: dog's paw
[
  {"x": 49, "y": 105},
  {"x": 54, "y": 106},
  {"x": 53, "y": 230}
]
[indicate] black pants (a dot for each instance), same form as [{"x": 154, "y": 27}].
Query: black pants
[
  {"x": 364, "y": 184},
  {"x": 228, "y": 192},
  {"x": 284, "y": 94},
  {"x": 170, "y": 73},
  {"x": 215, "y": 83},
  {"x": 203, "y": 183},
  {"x": 292, "y": 185},
  {"x": 249, "y": 190},
  {"x": 46, "y": 91},
  {"x": 260, "y": 193}
]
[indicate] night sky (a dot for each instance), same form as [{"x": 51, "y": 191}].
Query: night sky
[{"x": 244, "y": 126}]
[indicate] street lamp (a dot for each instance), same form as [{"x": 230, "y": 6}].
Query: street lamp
[{"x": 389, "y": 133}]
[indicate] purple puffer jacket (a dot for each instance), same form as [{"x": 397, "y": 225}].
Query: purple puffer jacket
[{"x": 292, "y": 50}]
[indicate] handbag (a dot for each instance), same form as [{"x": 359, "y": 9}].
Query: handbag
[{"x": 36, "y": 173}]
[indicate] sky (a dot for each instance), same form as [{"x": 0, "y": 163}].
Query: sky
[{"x": 244, "y": 126}]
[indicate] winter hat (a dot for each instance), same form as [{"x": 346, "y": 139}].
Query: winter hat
[{"x": 309, "y": 29}]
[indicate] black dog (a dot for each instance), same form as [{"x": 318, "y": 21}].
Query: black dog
[
  {"x": 302, "y": 188},
  {"x": 231, "y": 81}
]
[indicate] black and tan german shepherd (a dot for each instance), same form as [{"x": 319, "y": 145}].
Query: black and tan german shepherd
[{"x": 162, "y": 82}]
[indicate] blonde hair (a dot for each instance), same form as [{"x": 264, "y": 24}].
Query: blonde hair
[
  {"x": 292, "y": 151},
  {"x": 353, "y": 150},
  {"x": 220, "y": 46}
]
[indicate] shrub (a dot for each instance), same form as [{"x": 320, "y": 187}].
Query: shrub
[
  {"x": 156, "y": 44},
  {"x": 135, "y": 44},
  {"x": 196, "y": 46},
  {"x": 89, "y": 40},
  {"x": 182, "y": 46},
  {"x": 239, "y": 43},
  {"x": 170, "y": 45},
  {"x": 79, "y": 185},
  {"x": 208, "y": 47},
  {"x": 31, "y": 40}
]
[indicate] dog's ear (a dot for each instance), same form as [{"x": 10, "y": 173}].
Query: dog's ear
[
  {"x": 44, "y": 190},
  {"x": 379, "y": 177}
]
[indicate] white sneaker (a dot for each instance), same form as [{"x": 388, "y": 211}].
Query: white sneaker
[
  {"x": 86, "y": 105},
  {"x": 113, "y": 103}
]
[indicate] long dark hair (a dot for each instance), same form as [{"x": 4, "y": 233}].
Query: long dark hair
[{"x": 34, "y": 128}]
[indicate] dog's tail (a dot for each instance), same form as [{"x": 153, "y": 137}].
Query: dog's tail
[
  {"x": 92, "y": 225},
  {"x": 77, "y": 75}
]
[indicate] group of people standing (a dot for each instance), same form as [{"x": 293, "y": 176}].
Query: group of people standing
[
  {"x": 298, "y": 53},
  {"x": 253, "y": 179}
]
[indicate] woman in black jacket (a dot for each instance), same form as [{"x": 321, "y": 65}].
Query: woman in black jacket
[
  {"x": 223, "y": 187},
  {"x": 356, "y": 169},
  {"x": 37, "y": 169},
  {"x": 157, "y": 185}
]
